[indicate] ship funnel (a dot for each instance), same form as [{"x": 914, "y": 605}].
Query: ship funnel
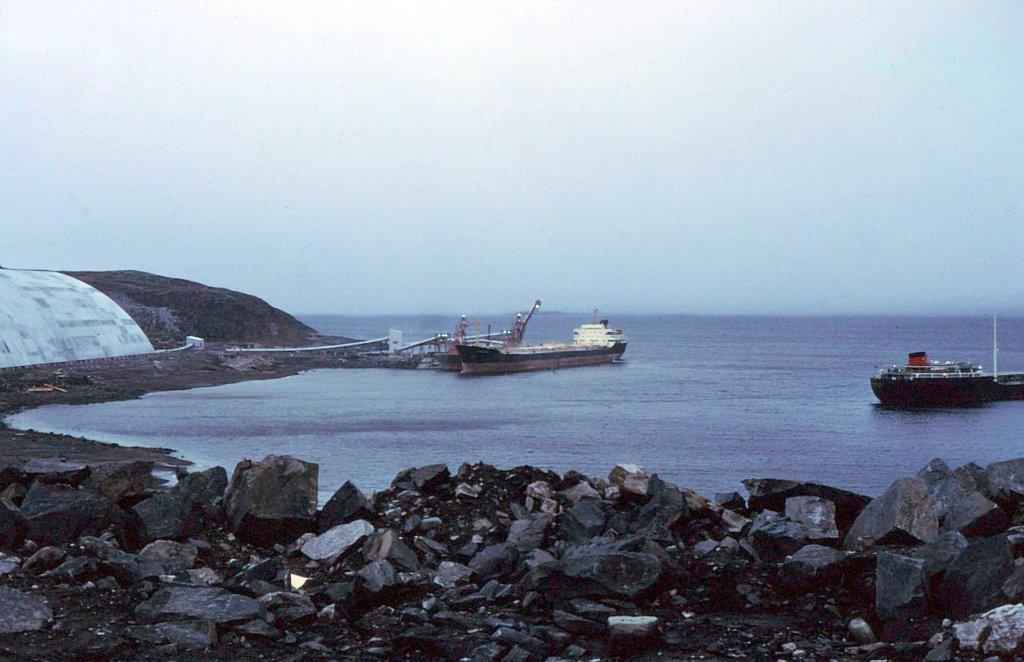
[{"x": 918, "y": 359}]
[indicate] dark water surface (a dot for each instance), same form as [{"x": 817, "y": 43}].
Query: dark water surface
[{"x": 703, "y": 401}]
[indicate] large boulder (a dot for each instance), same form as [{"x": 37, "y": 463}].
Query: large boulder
[
  {"x": 817, "y": 515},
  {"x": 900, "y": 587},
  {"x": 345, "y": 505},
  {"x": 527, "y": 534},
  {"x": 605, "y": 568},
  {"x": 774, "y": 537},
  {"x": 55, "y": 470},
  {"x": 1004, "y": 483},
  {"x": 173, "y": 557},
  {"x": 12, "y": 526},
  {"x": 904, "y": 514},
  {"x": 633, "y": 482},
  {"x": 771, "y": 494},
  {"x": 273, "y": 500},
  {"x": 810, "y": 567},
  {"x": 423, "y": 479},
  {"x": 331, "y": 545},
  {"x": 938, "y": 555},
  {"x": 161, "y": 516},
  {"x": 21, "y": 612},
  {"x": 996, "y": 632},
  {"x": 387, "y": 544},
  {"x": 57, "y": 513},
  {"x": 203, "y": 488},
  {"x": 202, "y": 602},
  {"x": 583, "y": 521},
  {"x": 974, "y": 580},
  {"x": 958, "y": 505},
  {"x": 121, "y": 481}
]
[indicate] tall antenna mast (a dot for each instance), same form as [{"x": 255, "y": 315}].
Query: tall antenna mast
[{"x": 995, "y": 351}]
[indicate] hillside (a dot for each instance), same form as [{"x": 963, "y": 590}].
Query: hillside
[{"x": 168, "y": 309}]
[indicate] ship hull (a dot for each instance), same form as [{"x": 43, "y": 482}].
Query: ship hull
[
  {"x": 489, "y": 361},
  {"x": 449, "y": 361},
  {"x": 952, "y": 392}
]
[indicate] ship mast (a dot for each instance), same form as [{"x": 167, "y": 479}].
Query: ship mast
[{"x": 995, "y": 351}]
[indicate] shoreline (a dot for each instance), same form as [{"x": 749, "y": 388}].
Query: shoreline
[{"x": 130, "y": 378}]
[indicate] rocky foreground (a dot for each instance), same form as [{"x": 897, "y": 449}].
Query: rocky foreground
[{"x": 511, "y": 565}]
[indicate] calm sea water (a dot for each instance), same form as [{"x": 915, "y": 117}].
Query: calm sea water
[{"x": 703, "y": 401}]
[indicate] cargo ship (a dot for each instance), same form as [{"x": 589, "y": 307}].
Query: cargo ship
[
  {"x": 592, "y": 344},
  {"x": 922, "y": 383}
]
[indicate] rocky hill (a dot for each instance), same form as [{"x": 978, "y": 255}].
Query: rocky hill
[{"x": 168, "y": 309}]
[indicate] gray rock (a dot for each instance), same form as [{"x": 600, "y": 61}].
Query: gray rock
[
  {"x": 345, "y": 505},
  {"x": 161, "y": 516},
  {"x": 958, "y": 505},
  {"x": 579, "y": 491},
  {"x": 493, "y": 561},
  {"x": 272, "y": 501},
  {"x": 630, "y": 634},
  {"x": 258, "y": 628},
  {"x": 9, "y": 564},
  {"x": 21, "y": 612},
  {"x": 387, "y": 544},
  {"x": 604, "y": 569},
  {"x": 55, "y": 470},
  {"x": 904, "y": 514},
  {"x": 56, "y": 513},
  {"x": 377, "y": 576},
  {"x": 996, "y": 632},
  {"x": 187, "y": 635},
  {"x": 204, "y": 488},
  {"x": 173, "y": 557},
  {"x": 730, "y": 500},
  {"x": 577, "y": 624},
  {"x": 974, "y": 580},
  {"x": 633, "y": 482},
  {"x": 12, "y": 526},
  {"x": 450, "y": 574},
  {"x": 774, "y": 538},
  {"x": 939, "y": 554},
  {"x": 202, "y": 602},
  {"x": 1004, "y": 483},
  {"x": 734, "y": 522},
  {"x": 771, "y": 494},
  {"x": 583, "y": 521},
  {"x": 120, "y": 481},
  {"x": 900, "y": 586},
  {"x": 705, "y": 547},
  {"x": 127, "y": 568},
  {"x": 816, "y": 514},
  {"x": 45, "y": 558},
  {"x": 288, "y": 607},
  {"x": 422, "y": 479},
  {"x": 332, "y": 544},
  {"x": 73, "y": 569},
  {"x": 525, "y": 535},
  {"x": 810, "y": 567},
  {"x": 860, "y": 632}
]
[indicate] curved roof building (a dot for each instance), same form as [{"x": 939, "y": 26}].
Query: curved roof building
[{"x": 49, "y": 317}]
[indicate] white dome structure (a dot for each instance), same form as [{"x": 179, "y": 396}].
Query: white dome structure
[{"x": 49, "y": 317}]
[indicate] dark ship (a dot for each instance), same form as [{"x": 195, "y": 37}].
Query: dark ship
[
  {"x": 922, "y": 383},
  {"x": 591, "y": 344}
]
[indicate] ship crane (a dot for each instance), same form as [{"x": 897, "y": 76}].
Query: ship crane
[{"x": 515, "y": 336}]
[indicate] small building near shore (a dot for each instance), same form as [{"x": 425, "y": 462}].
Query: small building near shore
[{"x": 50, "y": 317}]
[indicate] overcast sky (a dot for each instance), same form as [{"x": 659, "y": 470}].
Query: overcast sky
[{"x": 427, "y": 157}]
